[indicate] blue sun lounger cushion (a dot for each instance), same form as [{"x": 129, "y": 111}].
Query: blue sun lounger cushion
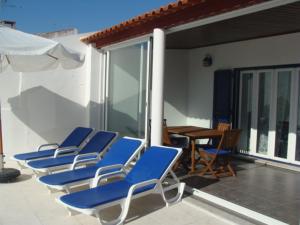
[
  {"x": 145, "y": 178},
  {"x": 97, "y": 144},
  {"x": 75, "y": 138},
  {"x": 121, "y": 152}
]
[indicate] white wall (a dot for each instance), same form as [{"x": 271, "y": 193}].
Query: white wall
[
  {"x": 44, "y": 107},
  {"x": 176, "y": 87},
  {"x": 198, "y": 101}
]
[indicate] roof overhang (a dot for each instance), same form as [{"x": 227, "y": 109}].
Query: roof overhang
[
  {"x": 269, "y": 22},
  {"x": 172, "y": 15}
]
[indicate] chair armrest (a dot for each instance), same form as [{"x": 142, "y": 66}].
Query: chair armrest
[
  {"x": 48, "y": 145},
  {"x": 143, "y": 184},
  {"x": 85, "y": 158},
  {"x": 120, "y": 171},
  {"x": 70, "y": 149}
]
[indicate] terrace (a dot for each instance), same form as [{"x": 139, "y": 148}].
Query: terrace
[
  {"x": 27, "y": 202},
  {"x": 260, "y": 95},
  {"x": 264, "y": 189}
]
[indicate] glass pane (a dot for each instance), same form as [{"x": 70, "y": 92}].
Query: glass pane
[
  {"x": 282, "y": 113},
  {"x": 127, "y": 90},
  {"x": 263, "y": 111},
  {"x": 246, "y": 110},
  {"x": 297, "y": 156}
]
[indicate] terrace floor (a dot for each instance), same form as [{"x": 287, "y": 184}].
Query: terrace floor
[
  {"x": 26, "y": 202},
  {"x": 268, "y": 190}
]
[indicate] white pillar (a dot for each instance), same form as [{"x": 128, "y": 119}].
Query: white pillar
[
  {"x": 88, "y": 74},
  {"x": 157, "y": 98}
]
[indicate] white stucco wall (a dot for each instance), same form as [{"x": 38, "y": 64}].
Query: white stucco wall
[
  {"x": 176, "y": 87},
  {"x": 43, "y": 107},
  {"x": 197, "y": 94}
]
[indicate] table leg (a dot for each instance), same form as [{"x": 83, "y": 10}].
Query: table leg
[{"x": 193, "y": 157}]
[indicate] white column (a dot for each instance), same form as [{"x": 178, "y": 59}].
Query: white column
[
  {"x": 88, "y": 71},
  {"x": 1, "y": 145},
  {"x": 157, "y": 97}
]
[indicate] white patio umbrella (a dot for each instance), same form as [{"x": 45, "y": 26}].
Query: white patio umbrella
[{"x": 28, "y": 53}]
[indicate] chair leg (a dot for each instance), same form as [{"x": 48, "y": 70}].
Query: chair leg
[
  {"x": 232, "y": 172},
  {"x": 180, "y": 190},
  {"x": 205, "y": 169},
  {"x": 72, "y": 212},
  {"x": 181, "y": 160},
  {"x": 208, "y": 161},
  {"x": 226, "y": 167},
  {"x": 208, "y": 167},
  {"x": 118, "y": 221},
  {"x": 21, "y": 165}
]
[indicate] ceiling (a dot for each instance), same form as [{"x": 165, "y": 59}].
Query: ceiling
[{"x": 276, "y": 21}]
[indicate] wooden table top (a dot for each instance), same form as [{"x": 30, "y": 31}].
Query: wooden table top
[
  {"x": 207, "y": 133},
  {"x": 184, "y": 129}
]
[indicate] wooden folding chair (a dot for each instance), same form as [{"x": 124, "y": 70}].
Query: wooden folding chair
[
  {"x": 220, "y": 127},
  {"x": 223, "y": 126},
  {"x": 177, "y": 142},
  {"x": 211, "y": 157}
]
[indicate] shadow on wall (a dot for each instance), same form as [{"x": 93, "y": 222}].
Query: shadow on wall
[
  {"x": 47, "y": 113},
  {"x": 121, "y": 122},
  {"x": 186, "y": 98},
  {"x": 125, "y": 118}
]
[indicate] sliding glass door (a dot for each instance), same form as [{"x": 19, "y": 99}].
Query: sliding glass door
[
  {"x": 270, "y": 113},
  {"x": 263, "y": 111},
  {"x": 297, "y": 152},
  {"x": 127, "y": 90},
  {"x": 246, "y": 110},
  {"x": 282, "y": 112}
]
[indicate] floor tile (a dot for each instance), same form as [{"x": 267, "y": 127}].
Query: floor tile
[{"x": 261, "y": 188}]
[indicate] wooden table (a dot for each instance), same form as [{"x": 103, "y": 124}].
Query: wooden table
[
  {"x": 202, "y": 134},
  {"x": 181, "y": 130},
  {"x": 184, "y": 129}
]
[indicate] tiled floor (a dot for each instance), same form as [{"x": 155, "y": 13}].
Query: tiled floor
[
  {"x": 26, "y": 202},
  {"x": 271, "y": 191}
]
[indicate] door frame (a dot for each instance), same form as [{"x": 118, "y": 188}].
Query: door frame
[
  {"x": 145, "y": 39},
  {"x": 294, "y": 98}
]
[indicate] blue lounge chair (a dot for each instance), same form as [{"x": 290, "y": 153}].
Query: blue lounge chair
[
  {"x": 90, "y": 153},
  {"x": 73, "y": 140},
  {"x": 145, "y": 178},
  {"x": 121, "y": 152}
]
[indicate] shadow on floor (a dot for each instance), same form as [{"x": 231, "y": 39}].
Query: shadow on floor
[
  {"x": 268, "y": 190},
  {"x": 21, "y": 178},
  {"x": 154, "y": 203},
  {"x": 199, "y": 182}
]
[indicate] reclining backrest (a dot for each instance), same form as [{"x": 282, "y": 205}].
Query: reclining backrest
[
  {"x": 152, "y": 164},
  {"x": 121, "y": 151},
  {"x": 98, "y": 142},
  {"x": 76, "y": 137}
]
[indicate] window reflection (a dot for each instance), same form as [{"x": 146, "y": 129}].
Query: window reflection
[
  {"x": 297, "y": 156},
  {"x": 264, "y": 99},
  {"x": 246, "y": 110},
  {"x": 282, "y": 113}
]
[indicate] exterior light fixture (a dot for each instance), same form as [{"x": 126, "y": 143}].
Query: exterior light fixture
[{"x": 207, "y": 61}]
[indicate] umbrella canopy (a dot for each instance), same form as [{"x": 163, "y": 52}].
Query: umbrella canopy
[{"x": 27, "y": 53}]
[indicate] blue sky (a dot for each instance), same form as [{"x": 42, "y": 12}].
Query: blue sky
[{"x": 35, "y": 16}]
